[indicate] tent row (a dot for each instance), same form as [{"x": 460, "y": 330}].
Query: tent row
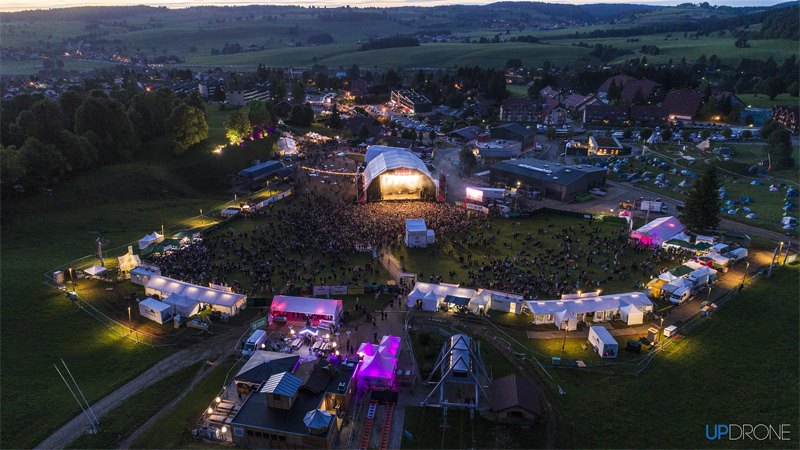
[
  {"x": 572, "y": 309},
  {"x": 189, "y": 298},
  {"x": 431, "y": 297}
]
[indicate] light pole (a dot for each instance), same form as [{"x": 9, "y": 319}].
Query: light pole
[
  {"x": 130, "y": 323},
  {"x": 564, "y": 342},
  {"x": 746, "y": 268}
]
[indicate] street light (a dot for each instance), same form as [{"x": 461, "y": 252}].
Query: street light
[
  {"x": 564, "y": 343},
  {"x": 130, "y": 323},
  {"x": 746, "y": 268}
]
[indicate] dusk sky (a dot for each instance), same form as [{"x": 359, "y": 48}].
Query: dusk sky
[{"x": 16, "y": 5}]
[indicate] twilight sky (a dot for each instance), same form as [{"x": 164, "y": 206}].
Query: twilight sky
[{"x": 16, "y": 5}]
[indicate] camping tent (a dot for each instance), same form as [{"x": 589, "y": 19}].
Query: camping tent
[
  {"x": 150, "y": 239},
  {"x": 155, "y": 310},
  {"x": 631, "y": 315},
  {"x": 95, "y": 270},
  {"x": 128, "y": 261}
]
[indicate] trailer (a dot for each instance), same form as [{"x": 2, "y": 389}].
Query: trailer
[
  {"x": 736, "y": 254},
  {"x": 603, "y": 343},
  {"x": 254, "y": 342}
]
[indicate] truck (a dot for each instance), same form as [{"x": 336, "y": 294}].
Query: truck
[
  {"x": 736, "y": 254},
  {"x": 685, "y": 288},
  {"x": 254, "y": 342}
]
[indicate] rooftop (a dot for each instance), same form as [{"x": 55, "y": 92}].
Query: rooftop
[{"x": 546, "y": 170}]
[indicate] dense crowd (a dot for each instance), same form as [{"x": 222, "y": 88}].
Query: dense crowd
[{"x": 309, "y": 240}]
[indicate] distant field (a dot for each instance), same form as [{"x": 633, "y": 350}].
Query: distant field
[
  {"x": 33, "y": 66},
  {"x": 762, "y": 101}
]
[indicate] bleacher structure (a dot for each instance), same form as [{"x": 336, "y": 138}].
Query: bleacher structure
[{"x": 462, "y": 377}]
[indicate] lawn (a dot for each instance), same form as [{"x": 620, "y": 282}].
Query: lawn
[
  {"x": 762, "y": 101},
  {"x": 517, "y": 90},
  {"x": 448, "y": 256},
  {"x": 740, "y": 366},
  {"x": 40, "y": 232},
  {"x": 462, "y": 431},
  {"x": 174, "y": 427},
  {"x": 132, "y": 413}
]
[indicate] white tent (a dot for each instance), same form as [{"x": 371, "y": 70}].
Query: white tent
[
  {"x": 658, "y": 231},
  {"x": 566, "y": 319},
  {"x": 330, "y": 309},
  {"x": 705, "y": 145},
  {"x": 221, "y": 301},
  {"x": 150, "y": 239},
  {"x": 287, "y": 146},
  {"x": 95, "y": 270},
  {"x": 155, "y": 310},
  {"x": 183, "y": 306},
  {"x": 422, "y": 289},
  {"x": 631, "y": 315},
  {"x": 431, "y": 302},
  {"x": 128, "y": 261}
]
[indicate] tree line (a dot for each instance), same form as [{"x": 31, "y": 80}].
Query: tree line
[{"x": 44, "y": 140}]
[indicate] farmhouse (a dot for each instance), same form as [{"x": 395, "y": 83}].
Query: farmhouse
[
  {"x": 682, "y": 104},
  {"x": 553, "y": 180},
  {"x": 788, "y": 116},
  {"x": 573, "y": 309},
  {"x": 604, "y": 146}
]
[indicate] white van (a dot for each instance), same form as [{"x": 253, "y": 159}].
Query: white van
[{"x": 254, "y": 342}]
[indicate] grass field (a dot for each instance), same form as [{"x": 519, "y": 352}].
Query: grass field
[
  {"x": 39, "y": 325},
  {"x": 762, "y": 101},
  {"x": 129, "y": 415},
  {"x": 740, "y": 366},
  {"x": 173, "y": 430},
  {"x": 442, "y": 261}
]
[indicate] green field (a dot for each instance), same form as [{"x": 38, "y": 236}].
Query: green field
[
  {"x": 132, "y": 413},
  {"x": 762, "y": 101},
  {"x": 40, "y": 232},
  {"x": 173, "y": 429},
  {"x": 740, "y": 366}
]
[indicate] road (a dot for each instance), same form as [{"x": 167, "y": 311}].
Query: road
[{"x": 208, "y": 350}]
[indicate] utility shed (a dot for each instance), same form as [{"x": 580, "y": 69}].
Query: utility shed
[{"x": 604, "y": 344}]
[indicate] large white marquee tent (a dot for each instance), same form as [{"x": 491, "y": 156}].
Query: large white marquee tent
[{"x": 219, "y": 300}]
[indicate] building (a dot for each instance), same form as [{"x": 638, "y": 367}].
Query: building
[
  {"x": 515, "y": 132},
  {"x": 588, "y": 307},
  {"x": 519, "y": 110},
  {"x": 239, "y": 96},
  {"x": 466, "y": 134},
  {"x": 393, "y": 173},
  {"x": 358, "y": 88},
  {"x": 640, "y": 92},
  {"x": 788, "y": 116},
  {"x": 287, "y": 411},
  {"x": 646, "y": 114},
  {"x": 514, "y": 400},
  {"x": 552, "y": 180},
  {"x": 600, "y": 114},
  {"x": 604, "y": 146},
  {"x": 682, "y": 104},
  {"x": 496, "y": 150},
  {"x": 260, "y": 172},
  {"x": 412, "y": 101},
  {"x": 554, "y": 113},
  {"x": 356, "y": 123},
  {"x": 619, "y": 80}
]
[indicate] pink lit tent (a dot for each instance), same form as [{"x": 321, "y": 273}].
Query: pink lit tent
[
  {"x": 377, "y": 371},
  {"x": 658, "y": 231},
  {"x": 319, "y": 307},
  {"x": 390, "y": 345}
]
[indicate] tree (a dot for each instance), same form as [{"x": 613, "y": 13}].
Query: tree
[
  {"x": 219, "y": 94},
  {"x": 309, "y": 114},
  {"x": 12, "y": 166},
  {"x": 238, "y": 126},
  {"x": 432, "y": 136},
  {"x": 112, "y": 132},
  {"x": 747, "y": 134},
  {"x": 627, "y": 133},
  {"x": 78, "y": 151},
  {"x": 701, "y": 210},
  {"x": 335, "y": 120},
  {"x": 550, "y": 134},
  {"x": 645, "y": 134},
  {"x": 363, "y": 133},
  {"x": 44, "y": 164},
  {"x": 189, "y": 127},
  {"x": 779, "y": 149},
  {"x": 43, "y": 121},
  {"x": 686, "y": 134},
  {"x": 297, "y": 116},
  {"x": 258, "y": 112},
  {"x": 727, "y": 132},
  {"x": 69, "y": 102},
  {"x": 666, "y": 134},
  {"x": 774, "y": 86},
  {"x": 298, "y": 92},
  {"x": 705, "y": 133},
  {"x": 194, "y": 100},
  {"x": 468, "y": 161}
]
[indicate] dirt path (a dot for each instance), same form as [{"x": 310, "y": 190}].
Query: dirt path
[{"x": 208, "y": 350}]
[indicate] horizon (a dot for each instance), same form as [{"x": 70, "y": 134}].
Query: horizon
[{"x": 47, "y": 5}]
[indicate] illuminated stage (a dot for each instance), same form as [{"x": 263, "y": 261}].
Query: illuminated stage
[{"x": 393, "y": 173}]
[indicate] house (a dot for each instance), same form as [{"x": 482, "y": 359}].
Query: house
[
  {"x": 514, "y": 400},
  {"x": 358, "y": 88},
  {"x": 788, "y": 116},
  {"x": 640, "y": 91},
  {"x": 600, "y": 114},
  {"x": 552, "y": 180},
  {"x": 519, "y": 110},
  {"x": 554, "y": 113},
  {"x": 548, "y": 93},
  {"x": 682, "y": 104},
  {"x": 412, "y": 101},
  {"x": 355, "y": 123},
  {"x": 646, "y": 114},
  {"x": 514, "y": 132},
  {"x": 466, "y": 134},
  {"x": 604, "y": 146},
  {"x": 239, "y": 96},
  {"x": 578, "y": 102}
]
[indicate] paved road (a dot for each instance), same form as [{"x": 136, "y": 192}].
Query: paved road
[{"x": 204, "y": 351}]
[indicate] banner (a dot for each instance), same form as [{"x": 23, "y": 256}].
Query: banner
[
  {"x": 338, "y": 290},
  {"x": 273, "y": 199},
  {"x": 355, "y": 290},
  {"x": 322, "y": 290},
  {"x": 480, "y": 208}
]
